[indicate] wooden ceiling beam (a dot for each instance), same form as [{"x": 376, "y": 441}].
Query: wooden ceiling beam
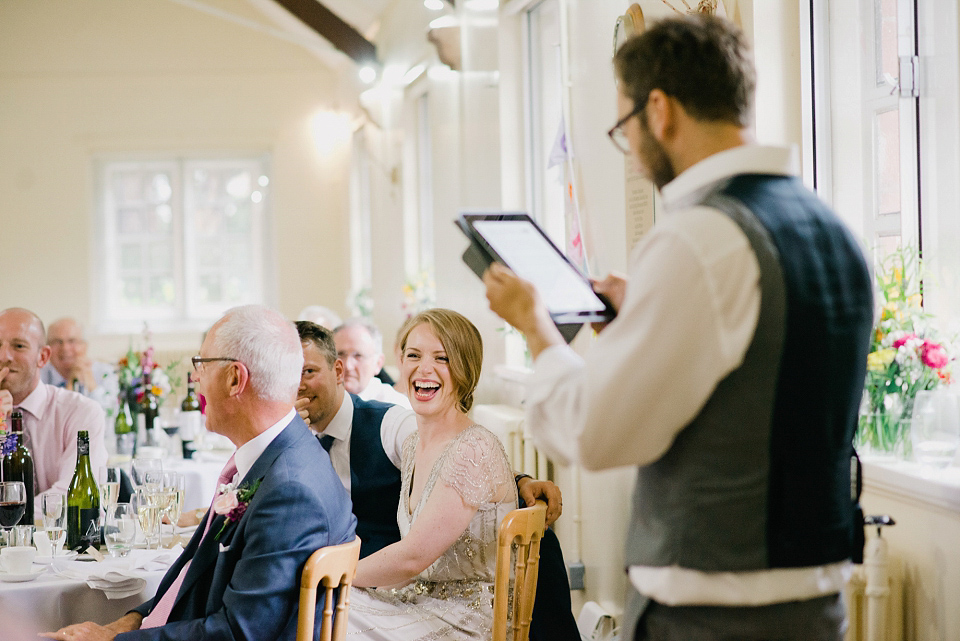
[{"x": 331, "y": 27}]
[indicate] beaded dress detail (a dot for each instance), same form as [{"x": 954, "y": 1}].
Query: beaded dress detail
[{"x": 453, "y": 598}]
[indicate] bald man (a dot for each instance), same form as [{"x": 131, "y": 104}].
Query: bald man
[
  {"x": 70, "y": 367},
  {"x": 52, "y": 416}
]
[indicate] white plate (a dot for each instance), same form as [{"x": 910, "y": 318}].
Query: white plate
[
  {"x": 65, "y": 555},
  {"x": 20, "y": 578}
]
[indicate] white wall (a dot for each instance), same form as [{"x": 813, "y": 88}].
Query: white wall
[{"x": 81, "y": 78}]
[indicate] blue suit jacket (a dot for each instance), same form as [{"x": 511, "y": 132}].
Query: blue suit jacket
[{"x": 246, "y": 584}]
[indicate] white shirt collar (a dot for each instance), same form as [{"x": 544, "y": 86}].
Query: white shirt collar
[
  {"x": 687, "y": 188},
  {"x": 248, "y": 453},
  {"x": 36, "y": 401},
  {"x": 342, "y": 422}
]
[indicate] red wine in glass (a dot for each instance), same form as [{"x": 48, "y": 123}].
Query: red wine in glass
[{"x": 10, "y": 512}]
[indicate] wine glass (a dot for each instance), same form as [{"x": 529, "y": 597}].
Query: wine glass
[
  {"x": 143, "y": 465},
  {"x": 53, "y": 512},
  {"x": 13, "y": 503},
  {"x": 170, "y": 423},
  {"x": 120, "y": 528},
  {"x": 146, "y": 505},
  {"x": 935, "y": 428}
]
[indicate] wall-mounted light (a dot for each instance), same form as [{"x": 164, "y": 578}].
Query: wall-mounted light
[
  {"x": 367, "y": 74},
  {"x": 434, "y": 5},
  {"x": 330, "y": 130}
]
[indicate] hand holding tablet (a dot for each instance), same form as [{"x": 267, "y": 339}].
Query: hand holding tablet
[{"x": 515, "y": 240}]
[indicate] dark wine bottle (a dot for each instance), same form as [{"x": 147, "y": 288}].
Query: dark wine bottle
[
  {"x": 83, "y": 501},
  {"x": 18, "y": 466},
  {"x": 149, "y": 412}
]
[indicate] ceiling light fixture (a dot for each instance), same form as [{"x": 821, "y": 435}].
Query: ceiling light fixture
[{"x": 367, "y": 74}]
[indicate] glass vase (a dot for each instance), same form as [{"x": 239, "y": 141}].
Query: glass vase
[{"x": 884, "y": 435}]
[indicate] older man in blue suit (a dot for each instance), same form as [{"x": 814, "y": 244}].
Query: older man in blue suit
[{"x": 239, "y": 576}]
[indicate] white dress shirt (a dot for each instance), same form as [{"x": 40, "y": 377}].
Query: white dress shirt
[
  {"x": 377, "y": 390},
  {"x": 248, "y": 453},
  {"x": 398, "y": 423},
  {"x": 686, "y": 321}
]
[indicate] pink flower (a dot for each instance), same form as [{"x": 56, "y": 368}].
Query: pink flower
[
  {"x": 933, "y": 355},
  {"x": 900, "y": 342},
  {"x": 226, "y": 503}
]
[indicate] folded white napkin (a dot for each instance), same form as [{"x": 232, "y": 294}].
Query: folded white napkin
[{"x": 122, "y": 577}]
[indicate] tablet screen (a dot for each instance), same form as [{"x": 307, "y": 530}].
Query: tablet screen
[{"x": 531, "y": 256}]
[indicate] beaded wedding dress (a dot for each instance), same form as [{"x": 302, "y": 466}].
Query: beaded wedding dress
[{"x": 453, "y": 598}]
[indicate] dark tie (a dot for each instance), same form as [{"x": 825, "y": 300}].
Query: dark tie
[{"x": 327, "y": 442}]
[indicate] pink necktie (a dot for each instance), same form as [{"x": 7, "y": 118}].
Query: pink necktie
[{"x": 161, "y": 611}]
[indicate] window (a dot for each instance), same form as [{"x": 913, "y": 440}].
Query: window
[{"x": 182, "y": 241}]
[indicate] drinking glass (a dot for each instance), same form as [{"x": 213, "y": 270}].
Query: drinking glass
[
  {"x": 120, "y": 529},
  {"x": 109, "y": 482},
  {"x": 146, "y": 505},
  {"x": 173, "y": 487},
  {"x": 53, "y": 513},
  {"x": 170, "y": 423},
  {"x": 935, "y": 429},
  {"x": 143, "y": 465},
  {"x": 13, "y": 502}
]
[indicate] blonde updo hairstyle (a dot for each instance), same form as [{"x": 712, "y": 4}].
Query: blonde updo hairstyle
[{"x": 461, "y": 341}]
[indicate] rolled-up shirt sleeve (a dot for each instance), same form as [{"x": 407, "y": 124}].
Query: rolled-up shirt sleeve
[{"x": 687, "y": 318}]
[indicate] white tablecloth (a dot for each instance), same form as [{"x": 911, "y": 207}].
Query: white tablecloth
[{"x": 50, "y": 602}]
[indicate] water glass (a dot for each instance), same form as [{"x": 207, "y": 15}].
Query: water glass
[
  {"x": 120, "y": 529},
  {"x": 141, "y": 466},
  {"x": 935, "y": 430}
]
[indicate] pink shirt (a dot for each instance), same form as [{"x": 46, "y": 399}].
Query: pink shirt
[{"x": 52, "y": 416}]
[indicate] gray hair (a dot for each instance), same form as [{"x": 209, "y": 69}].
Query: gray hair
[
  {"x": 357, "y": 321},
  {"x": 267, "y": 344},
  {"x": 322, "y": 316}
]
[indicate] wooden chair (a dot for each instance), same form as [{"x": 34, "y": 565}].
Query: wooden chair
[
  {"x": 525, "y": 527},
  {"x": 334, "y": 566}
]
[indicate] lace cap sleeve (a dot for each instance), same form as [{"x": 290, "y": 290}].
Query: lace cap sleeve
[{"x": 477, "y": 468}]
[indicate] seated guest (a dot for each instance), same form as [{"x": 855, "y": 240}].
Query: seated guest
[
  {"x": 456, "y": 488},
  {"x": 52, "y": 416},
  {"x": 238, "y": 577},
  {"x": 70, "y": 367},
  {"x": 360, "y": 347}
]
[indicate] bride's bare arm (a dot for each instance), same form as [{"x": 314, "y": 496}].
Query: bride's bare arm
[{"x": 441, "y": 522}]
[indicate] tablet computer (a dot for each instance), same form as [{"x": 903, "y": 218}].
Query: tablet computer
[{"x": 515, "y": 239}]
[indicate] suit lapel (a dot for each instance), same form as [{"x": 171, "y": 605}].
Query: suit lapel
[{"x": 209, "y": 548}]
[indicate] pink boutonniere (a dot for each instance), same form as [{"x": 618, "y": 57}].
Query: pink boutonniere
[{"x": 232, "y": 503}]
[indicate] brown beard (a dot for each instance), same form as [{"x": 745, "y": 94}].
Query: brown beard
[{"x": 653, "y": 157}]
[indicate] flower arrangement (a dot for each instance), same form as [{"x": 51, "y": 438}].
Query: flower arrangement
[
  {"x": 360, "y": 303},
  {"x": 905, "y": 355},
  {"x": 419, "y": 294},
  {"x": 232, "y": 502},
  {"x": 130, "y": 371}
]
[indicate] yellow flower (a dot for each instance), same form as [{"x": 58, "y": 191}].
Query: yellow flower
[
  {"x": 898, "y": 275},
  {"x": 915, "y": 301},
  {"x": 880, "y": 359}
]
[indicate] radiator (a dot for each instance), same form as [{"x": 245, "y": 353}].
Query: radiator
[
  {"x": 507, "y": 423},
  {"x": 886, "y": 624}
]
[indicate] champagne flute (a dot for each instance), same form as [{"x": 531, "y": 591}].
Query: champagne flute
[
  {"x": 109, "y": 482},
  {"x": 146, "y": 505},
  {"x": 173, "y": 487},
  {"x": 143, "y": 465},
  {"x": 53, "y": 508},
  {"x": 120, "y": 528},
  {"x": 13, "y": 503}
]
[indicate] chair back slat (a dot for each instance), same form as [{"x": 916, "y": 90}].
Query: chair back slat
[
  {"x": 522, "y": 528},
  {"x": 334, "y": 567}
]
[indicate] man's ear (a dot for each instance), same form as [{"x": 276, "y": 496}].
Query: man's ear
[
  {"x": 43, "y": 356},
  {"x": 660, "y": 114},
  {"x": 381, "y": 359},
  {"x": 238, "y": 378},
  {"x": 338, "y": 368}
]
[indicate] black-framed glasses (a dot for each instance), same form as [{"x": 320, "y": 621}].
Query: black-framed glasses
[
  {"x": 198, "y": 361},
  {"x": 618, "y": 136}
]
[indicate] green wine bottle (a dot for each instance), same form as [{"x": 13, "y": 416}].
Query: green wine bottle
[
  {"x": 83, "y": 501},
  {"x": 18, "y": 466}
]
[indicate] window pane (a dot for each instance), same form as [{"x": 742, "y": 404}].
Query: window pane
[
  {"x": 131, "y": 257},
  {"x": 162, "y": 290},
  {"x": 888, "y": 162},
  {"x": 131, "y": 291},
  {"x": 887, "y": 63},
  {"x": 210, "y": 290},
  {"x": 161, "y": 257}
]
